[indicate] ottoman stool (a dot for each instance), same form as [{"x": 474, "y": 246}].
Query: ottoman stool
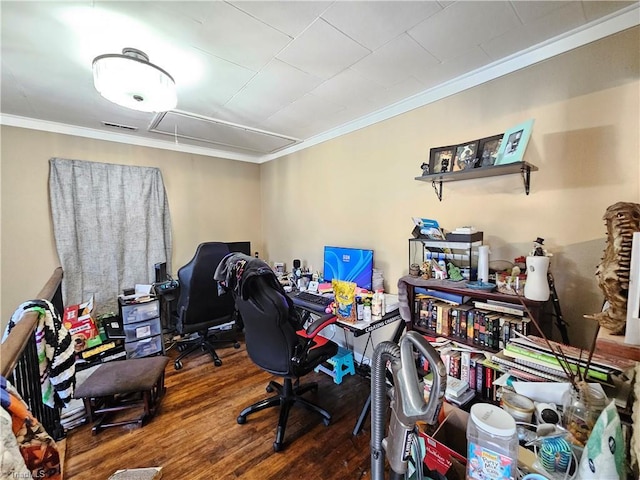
[{"x": 122, "y": 385}]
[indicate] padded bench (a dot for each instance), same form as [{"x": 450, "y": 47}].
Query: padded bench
[{"x": 122, "y": 385}]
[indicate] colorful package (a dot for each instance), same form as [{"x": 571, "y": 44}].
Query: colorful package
[{"x": 345, "y": 299}]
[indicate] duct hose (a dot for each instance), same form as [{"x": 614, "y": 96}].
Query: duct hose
[{"x": 384, "y": 352}]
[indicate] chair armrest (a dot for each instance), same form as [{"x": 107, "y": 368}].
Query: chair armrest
[{"x": 317, "y": 325}]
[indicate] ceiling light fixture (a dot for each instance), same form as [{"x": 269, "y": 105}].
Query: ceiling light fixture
[{"x": 131, "y": 81}]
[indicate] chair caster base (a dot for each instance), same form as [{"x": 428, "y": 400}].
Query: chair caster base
[
  {"x": 277, "y": 446},
  {"x": 326, "y": 421},
  {"x": 236, "y": 345},
  {"x": 177, "y": 365},
  {"x": 217, "y": 362},
  {"x": 241, "y": 420}
]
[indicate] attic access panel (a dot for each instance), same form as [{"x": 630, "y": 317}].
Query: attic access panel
[{"x": 184, "y": 125}]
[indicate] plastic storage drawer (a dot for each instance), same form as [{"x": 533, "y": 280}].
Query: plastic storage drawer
[
  {"x": 138, "y": 312},
  {"x": 144, "y": 348},
  {"x": 138, "y": 330}
]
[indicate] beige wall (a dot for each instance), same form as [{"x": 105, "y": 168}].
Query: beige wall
[
  {"x": 209, "y": 199},
  {"x": 359, "y": 190}
]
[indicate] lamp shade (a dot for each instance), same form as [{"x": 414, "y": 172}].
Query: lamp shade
[{"x": 131, "y": 81}]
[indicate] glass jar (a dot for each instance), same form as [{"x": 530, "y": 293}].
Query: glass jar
[{"x": 581, "y": 408}]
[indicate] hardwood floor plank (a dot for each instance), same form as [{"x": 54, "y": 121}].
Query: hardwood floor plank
[{"x": 195, "y": 434}]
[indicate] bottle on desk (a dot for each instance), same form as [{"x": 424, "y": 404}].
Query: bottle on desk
[
  {"x": 366, "y": 309},
  {"x": 377, "y": 305}
]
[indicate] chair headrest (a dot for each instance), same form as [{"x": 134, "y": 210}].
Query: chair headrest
[{"x": 237, "y": 269}]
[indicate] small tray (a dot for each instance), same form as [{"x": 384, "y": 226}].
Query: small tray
[{"x": 485, "y": 287}]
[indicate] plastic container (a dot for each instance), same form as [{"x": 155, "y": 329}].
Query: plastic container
[
  {"x": 521, "y": 408},
  {"x": 492, "y": 441}
]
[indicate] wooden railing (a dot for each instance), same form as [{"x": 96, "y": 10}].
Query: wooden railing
[{"x": 19, "y": 359}]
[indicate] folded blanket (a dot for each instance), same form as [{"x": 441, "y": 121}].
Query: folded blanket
[{"x": 54, "y": 346}]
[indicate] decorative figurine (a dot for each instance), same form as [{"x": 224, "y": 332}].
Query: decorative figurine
[
  {"x": 538, "y": 251},
  {"x": 414, "y": 270},
  {"x": 622, "y": 220},
  {"x": 454, "y": 272},
  {"x": 426, "y": 270},
  {"x": 425, "y": 168},
  {"x": 439, "y": 273}
]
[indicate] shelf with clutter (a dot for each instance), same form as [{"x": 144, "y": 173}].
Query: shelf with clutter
[
  {"x": 572, "y": 400},
  {"x": 492, "y": 156}
]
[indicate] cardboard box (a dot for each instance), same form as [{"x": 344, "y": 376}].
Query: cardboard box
[{"x": 446, "y": 448}]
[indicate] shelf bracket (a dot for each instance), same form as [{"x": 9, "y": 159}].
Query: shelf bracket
[
  {"x": 526, "y": 177},
  {"x": 437, "y": 188}
]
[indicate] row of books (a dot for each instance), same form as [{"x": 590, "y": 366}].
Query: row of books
[
  {"x": 556, "y": 360},
  {"x": 467, "y": 370},
  {"x": 479, "y": 324}
]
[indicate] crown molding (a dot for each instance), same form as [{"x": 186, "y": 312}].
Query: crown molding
[{"x": 65, "y": 129}]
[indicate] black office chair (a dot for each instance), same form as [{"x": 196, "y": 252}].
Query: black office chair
[
  {"x": 274, "y": 337},
  {"x": 200, "y": 307}
]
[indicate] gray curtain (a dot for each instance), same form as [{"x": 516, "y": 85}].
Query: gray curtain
[{"x": 111, "y": 225}]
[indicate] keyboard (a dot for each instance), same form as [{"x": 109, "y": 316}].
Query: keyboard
[{"x": 307, "y": 299}]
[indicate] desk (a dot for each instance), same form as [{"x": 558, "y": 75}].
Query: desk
[{"x": 358, "y": 329}]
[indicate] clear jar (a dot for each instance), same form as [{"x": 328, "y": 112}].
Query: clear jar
[
  {"x": 580, "y": 410},
  {"x": 492, "y": 441},
  {"x": 521, "y": 408}
]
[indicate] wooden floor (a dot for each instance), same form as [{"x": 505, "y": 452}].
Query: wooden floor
[{"x": 195, "y": 434}]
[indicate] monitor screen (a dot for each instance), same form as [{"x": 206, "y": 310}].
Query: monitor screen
[
  {"x": 161, "y": 272},
  {"x": 351, "y": 264},
  {"x": 242, "y": 247}
]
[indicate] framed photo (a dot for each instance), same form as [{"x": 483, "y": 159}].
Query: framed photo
[
  {"x": 488, "y": 150},
  {"x": 514, "y": 143},
  {"x": 441, "y": 159},
  {"x": 465, "y": 156}
]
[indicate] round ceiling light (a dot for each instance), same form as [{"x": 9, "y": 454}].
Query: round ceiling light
[{"x": 131, "y": 81}]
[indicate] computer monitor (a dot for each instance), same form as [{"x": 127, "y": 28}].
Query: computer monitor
[
  {"x": 242, "y": 247},
  {"x": 161, "y": 271},
  {"x": 351, "y": 264}
]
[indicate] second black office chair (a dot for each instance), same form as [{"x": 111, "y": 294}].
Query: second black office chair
[
  {"x": 199, "y": 306},
  {"x": 274, "y": 338}
]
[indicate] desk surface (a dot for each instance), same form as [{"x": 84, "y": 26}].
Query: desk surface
[{"x": 361, "y": 327}]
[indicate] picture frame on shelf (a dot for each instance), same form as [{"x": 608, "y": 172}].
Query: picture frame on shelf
[
  {"x": 441, "y": 159},
  {"x": 488, "y": 150},
  {"x": 514, "y": 143},
  {"x": 465, "y": 156}
]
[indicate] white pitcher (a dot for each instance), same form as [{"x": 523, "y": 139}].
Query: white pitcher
[{"x": 537, "y": 284}]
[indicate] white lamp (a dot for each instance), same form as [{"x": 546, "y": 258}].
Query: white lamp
[{"x": 131, "y": 81}]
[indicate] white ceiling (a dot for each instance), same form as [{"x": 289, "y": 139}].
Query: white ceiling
[{"x": 260, "y": 79}]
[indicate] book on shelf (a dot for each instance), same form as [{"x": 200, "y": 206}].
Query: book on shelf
[
  {"x": 465, "y": 229},
  {"x": 462, "y": 399},
  {"x": 453, "y": 298},
  {"x": 500, "y": 307},
  {"x": 525, "y": 355},
  {"x": 576, "y": 355},
  {"x": 528, "y": 369},
  {"x": 455, "y": 386}
]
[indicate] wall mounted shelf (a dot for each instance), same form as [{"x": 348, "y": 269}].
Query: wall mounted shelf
[{"x": 437, "y": 179}]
